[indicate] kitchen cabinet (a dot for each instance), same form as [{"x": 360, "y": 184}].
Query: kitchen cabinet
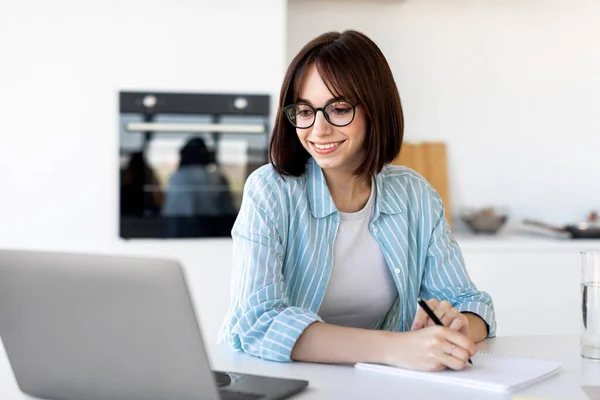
[
  {"x": 534, "y": 282},
  {"x": 361, "y": 1}
]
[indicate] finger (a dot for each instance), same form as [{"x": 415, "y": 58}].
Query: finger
[
  {"x": 420, "y": 320},
  {"x": 456, "y": 352},
  {"x": 451, "y": 362},
  {"x": 460, "y": 340},
  {"x": 442, "y": 309},
  {"x": 459, "y": 322},
  {"x": 433, "y": 303},
  {"x": 449, "y": 316}
]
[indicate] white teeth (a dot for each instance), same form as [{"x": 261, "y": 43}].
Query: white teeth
[{"x": 325, "y": 146}]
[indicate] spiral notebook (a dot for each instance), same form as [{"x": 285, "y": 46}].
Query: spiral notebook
[{"x": 494, "y": 372}]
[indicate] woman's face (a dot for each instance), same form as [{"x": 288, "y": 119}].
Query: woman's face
[{"x": 333, "y": 148}]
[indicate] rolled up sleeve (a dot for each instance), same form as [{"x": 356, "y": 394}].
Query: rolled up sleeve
[
  {"x": 260, "y": 322},
  {"x": 445, "y": 275}
]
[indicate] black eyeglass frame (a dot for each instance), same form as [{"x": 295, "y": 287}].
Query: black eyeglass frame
[{"x": 317, "y": 109}]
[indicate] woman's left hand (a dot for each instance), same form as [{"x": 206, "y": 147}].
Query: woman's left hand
[{"x": 450, "y": 317}]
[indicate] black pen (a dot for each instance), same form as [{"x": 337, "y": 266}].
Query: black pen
[{"x": 433, "y": 317}]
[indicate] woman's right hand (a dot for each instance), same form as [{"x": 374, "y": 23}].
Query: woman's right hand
[{"x": 434, "y": 348}]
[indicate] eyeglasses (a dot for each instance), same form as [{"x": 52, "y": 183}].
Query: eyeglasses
[{"x": 338, "y": 113}]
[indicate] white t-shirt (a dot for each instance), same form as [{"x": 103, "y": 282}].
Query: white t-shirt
[{"x": 361, "y": 288}]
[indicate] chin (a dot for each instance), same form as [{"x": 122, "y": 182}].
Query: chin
[{"x": 326, "y": 163}]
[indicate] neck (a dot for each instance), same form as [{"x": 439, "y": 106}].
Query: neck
[{"x": 349, "y": 192}]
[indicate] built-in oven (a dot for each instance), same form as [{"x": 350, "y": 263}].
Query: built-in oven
[{"x": 184, "y": 159}]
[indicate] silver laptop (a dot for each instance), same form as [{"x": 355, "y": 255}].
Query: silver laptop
[{"x": 91, "y": 327}]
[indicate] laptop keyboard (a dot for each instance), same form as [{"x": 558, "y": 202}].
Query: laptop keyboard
[
  {"x": 221, "y": 378},
  {"x": 231, "y": 395}
]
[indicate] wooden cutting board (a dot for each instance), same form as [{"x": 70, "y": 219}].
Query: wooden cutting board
[{"x": 429, "y": 159}]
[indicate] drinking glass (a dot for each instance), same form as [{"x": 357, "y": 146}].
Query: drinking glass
[{"x": 590, "y": 304}]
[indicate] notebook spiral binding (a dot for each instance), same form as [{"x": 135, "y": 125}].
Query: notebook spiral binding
[{"x": 512, "y": 356}]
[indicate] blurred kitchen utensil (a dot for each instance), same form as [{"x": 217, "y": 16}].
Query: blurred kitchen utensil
[
  {"x": 484, "y": 221},
  {"x": 589, "y": 229}
]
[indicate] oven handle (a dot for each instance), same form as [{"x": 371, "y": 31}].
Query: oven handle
[{"x": 193, "y": 127}]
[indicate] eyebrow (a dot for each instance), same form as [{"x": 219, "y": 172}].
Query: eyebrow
[{"x": 331, "y": 100}]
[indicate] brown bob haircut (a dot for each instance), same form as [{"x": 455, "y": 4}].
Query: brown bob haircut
[{"x": 355, "y": 69}]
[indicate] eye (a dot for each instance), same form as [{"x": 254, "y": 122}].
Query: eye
[
  {"x": 340, "y": 108},
  {"x": 304, "y": 112}
]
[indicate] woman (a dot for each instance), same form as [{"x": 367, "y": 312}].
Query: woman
[{"x": 332, "y": 245}]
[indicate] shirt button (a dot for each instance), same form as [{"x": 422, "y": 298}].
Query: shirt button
[
  {"x": 375, "y": 230},
  {"x": 397, "y": 270}
]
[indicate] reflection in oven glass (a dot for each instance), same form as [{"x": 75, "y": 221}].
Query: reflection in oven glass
[{"x": 182, "y": 173}]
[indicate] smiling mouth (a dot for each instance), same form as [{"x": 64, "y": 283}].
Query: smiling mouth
[{"x": 326, "y": 146}]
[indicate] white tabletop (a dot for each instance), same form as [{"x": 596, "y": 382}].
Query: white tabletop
[{"x": 346, "y": 382}]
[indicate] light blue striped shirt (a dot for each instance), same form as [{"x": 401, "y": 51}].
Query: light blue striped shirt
[{"x": 283, "y": 242}]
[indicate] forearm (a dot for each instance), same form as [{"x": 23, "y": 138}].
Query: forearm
[
  {"x": 331, "y": 344},
  {"x": 477, "y": 327}
]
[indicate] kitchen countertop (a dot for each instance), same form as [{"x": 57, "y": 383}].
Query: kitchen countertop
[{"x": 523, "y": 242}]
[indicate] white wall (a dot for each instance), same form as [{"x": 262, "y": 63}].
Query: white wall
[
  {"x": 512, "y": 86},
  {"x": 63, "y": 63}
]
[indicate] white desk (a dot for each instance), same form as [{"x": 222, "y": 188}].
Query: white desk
[{"x": 345, "y": 382}]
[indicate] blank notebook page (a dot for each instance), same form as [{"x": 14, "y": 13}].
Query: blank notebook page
[{"x": 495, "y": 372}]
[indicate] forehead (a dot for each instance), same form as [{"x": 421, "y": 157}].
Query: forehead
[
  {"x": 319, "y": 89},
  {"x": 313, "y": 88}
]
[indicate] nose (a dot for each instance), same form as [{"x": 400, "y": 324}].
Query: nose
[{"x": 321, "y": 125}]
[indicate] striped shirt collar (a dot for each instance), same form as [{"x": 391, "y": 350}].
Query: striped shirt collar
[{"x": 388, "y": 200}]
